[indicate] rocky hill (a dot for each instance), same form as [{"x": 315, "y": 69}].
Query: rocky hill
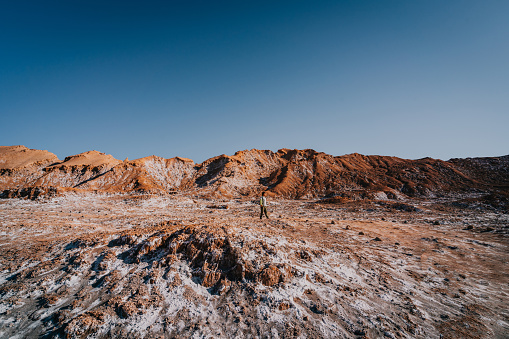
[
  {"x": 76, "y": 169},
  {"x": 150, "y": 174},
  {"x": 293, "y": 174}
]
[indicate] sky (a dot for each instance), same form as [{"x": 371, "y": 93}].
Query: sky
[{"x": 406, "y": 78}]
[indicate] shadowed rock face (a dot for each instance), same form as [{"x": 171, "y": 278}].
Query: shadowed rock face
[
  {"x": 287, "y": 173},
  {"x": 490, "y": 171}
]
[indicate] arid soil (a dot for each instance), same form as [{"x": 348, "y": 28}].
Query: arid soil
[{"x": 131, "y": 265}]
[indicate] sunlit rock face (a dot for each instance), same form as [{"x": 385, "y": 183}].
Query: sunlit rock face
[{"x": 291, "y": 174}]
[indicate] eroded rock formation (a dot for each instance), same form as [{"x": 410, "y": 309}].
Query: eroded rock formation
[{"x": 286, "y": 173}]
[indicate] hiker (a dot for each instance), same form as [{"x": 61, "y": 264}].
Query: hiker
[{"x": 263, "y": 206}]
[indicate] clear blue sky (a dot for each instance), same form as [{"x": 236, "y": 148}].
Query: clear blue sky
[{"x": 409, "y": 78}]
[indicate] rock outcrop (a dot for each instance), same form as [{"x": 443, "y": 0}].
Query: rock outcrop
[
  {"x": 77, "y": 169},
  {"x": 150, "y": 174}
]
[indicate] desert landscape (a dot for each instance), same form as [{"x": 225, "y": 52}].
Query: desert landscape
[{"x": 355, "y": 247}]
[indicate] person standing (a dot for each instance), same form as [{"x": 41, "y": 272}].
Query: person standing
[{"x": 263, "y": 206}]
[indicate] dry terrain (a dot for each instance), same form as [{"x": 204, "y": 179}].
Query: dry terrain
[
  {"x": 356, "y": 247},
  {"x": 119, "y": 265}
]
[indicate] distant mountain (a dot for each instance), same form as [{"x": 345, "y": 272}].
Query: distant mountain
[{"x": 293, "y": 174}]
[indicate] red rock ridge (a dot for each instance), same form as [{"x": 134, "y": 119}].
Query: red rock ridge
[{"x": 287, "y": 173}]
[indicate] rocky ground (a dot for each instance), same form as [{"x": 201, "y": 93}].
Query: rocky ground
[{"x": 127, "y": 265}]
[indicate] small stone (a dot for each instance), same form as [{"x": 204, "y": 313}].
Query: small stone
[
  {"x": 127, "y": 309},
  {"x": 388, "y": 334},
  {"x": 317, "y": 309},
  {"x": 361, "y": 233},
  {"x": 377, "y": 239},
  {"x": 270, "y": 275},
  {"x": 284, "y": 306},
  {"x": 223, "y": 286},
  {"x": 210, "y": 278}
]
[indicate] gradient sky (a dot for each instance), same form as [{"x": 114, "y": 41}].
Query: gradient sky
[{"x": 408, "y": 78}]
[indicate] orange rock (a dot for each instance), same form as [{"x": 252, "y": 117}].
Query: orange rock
[
  {"x": 270, "y": 275},
  {"x": 211, "y": 278}
]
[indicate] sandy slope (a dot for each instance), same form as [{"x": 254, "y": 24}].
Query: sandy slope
[
  {"x": 18, "y": 157},
  {"x": 98, "y": 265},
  {"x": 90, "y": 158}
]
